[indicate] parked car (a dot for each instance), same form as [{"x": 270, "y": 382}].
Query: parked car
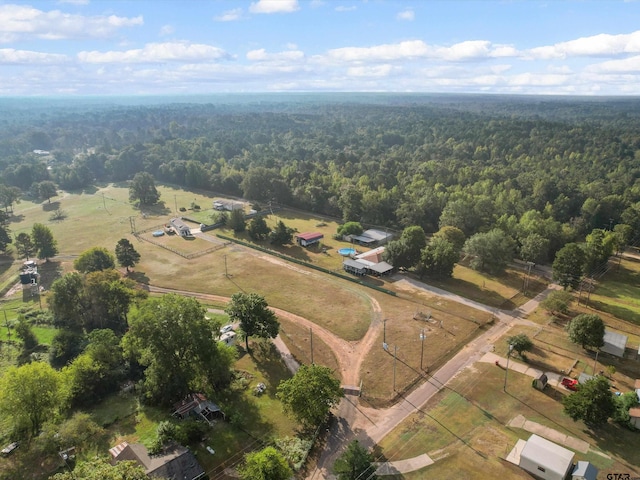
[
  {"x": 570, "y": 383},
  {"x": 10, "y": 448},
  {"x": 226, "y": 328}
]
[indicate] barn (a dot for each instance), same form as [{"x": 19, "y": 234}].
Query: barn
[{"x": 309, "y": 238}]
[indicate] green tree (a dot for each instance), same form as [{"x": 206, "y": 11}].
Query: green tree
[
  {"x": 623, "y": 236},
  {"x": 592, "y": 403},
  {"x": 66, "y": 302},
  {"x": 587, "y": 330},
  {"x": 94, "y": 260},
  {"x": 625, "y": 402},
  {"x": 143, "y": 189},
  {"x": 350, "y": 228},
  {"x": 597, "y": 250},
  {"x": 43, "y": 242},
  {"x": 175, "y": 342},
  {"x": 491, "y": 251},
  {"x": 25, "y": 333},
  {"x": 534, "y": 248},
  {"x": 281, "y": 234},
  {"x": 236, "y": 221},
  {"x": 253, "y": 314},
  {"x": 453, "y": 235},
  {"x": 398, "y": 254},
  {"x": 5, "y": 234},
  {"x": 438, "y": 258},
  {"x": 8, "y": 196},
  {"x": 258, "y": 228},
  {"x": 310, "y": 394},
  {"x": 568, "y": 265},
  {"x": 24, "y": 245},
  {"x": 31, "y": 394},
  {"x": 266, "y": 464},
  {"x": 101, "y": 469},
  {"x": 65, "y": 346},
  {"x": 47, "y": 189},
  {"x": 521, "y": 343},
  {"x": 126, "y": 254},
  {"x": 356, "y": 462},
  {"x": 415, "y": 240},
  {"x": 557, "y": 301}
]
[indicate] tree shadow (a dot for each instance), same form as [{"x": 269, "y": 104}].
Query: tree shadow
[
  {"x": 13, "y": 218},
  {"x": 269, "y": 363},
  {"x": 159, "y": 209},
  {"x": 139, "y": 277},
  {"x": 50, "y": 207}
]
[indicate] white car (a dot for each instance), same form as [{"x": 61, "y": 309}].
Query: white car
[
  {"x": 211, "y": 450},
  {"x": 226, "y": 328}
]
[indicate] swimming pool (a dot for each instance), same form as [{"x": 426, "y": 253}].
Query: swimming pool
[{"x": 347, "y": 252}]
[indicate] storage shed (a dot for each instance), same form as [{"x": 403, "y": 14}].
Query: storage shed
[
  {"x": 355, "y": 267},
  {"x": 614, "y": 343},
  {"x": 309, "y": 238},
  {"x": 540, "y": 382},
  {"x": 584, "y": 471},
  {"x": 545, "y": 459}
]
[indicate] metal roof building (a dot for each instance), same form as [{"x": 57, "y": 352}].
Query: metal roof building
[
  {"x": 545, "y": 459},
  {"x": 614, "y": 343}
]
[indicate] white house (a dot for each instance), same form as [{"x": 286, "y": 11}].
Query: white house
[{"x": 545, "y": 459}]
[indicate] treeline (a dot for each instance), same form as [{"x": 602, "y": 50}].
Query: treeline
[{"x": 475, "y": 163}]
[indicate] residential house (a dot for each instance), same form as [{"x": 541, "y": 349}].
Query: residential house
[
  {"x": 175, "y": 463},
  {"x": 180, "y": 227},
  {"x": 198, "y": 406}
]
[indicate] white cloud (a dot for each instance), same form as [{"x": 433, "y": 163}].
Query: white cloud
[
  {"x": 167, "y": 30},
  {"x": 9, "y": 56},
  {"x": 626, "y": 65},
  {"x": 407, "y": 15},
  {"x": 274, "y": 6},
  {"x": 342, "y": 8},
  {"x": 75, "y": 2},
  {"x": 23, "y": 21},
  {"x": 229, "y": 15},
  {"x": 370, "y": 71},
  {"x": 593, "y": 46},
  {"x": 261, "y": 55},
  {"x": 157, "y": 53}
]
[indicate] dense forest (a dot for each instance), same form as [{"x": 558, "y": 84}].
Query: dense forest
[{"x": 569, "y": 165}]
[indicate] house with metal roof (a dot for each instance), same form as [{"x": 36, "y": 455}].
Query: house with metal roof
[
  {"x": 614, "y": 343},
  {"x": 308, "y": 238},
  {"x": 180, "y": 227},
  {"x": 370, "y": 237},
  {"x": 584, "y": 471},
  {"x": 544, "y": 459}
]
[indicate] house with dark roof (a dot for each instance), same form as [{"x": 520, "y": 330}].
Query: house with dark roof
[
  {"x": 308, "y": 238},
  {"x": 175, "y": 463},
  {"x": 198, "y": 406}
]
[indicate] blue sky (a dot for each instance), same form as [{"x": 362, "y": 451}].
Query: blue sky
[{"x": 117, "y": 47}]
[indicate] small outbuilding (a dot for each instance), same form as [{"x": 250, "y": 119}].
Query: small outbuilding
[
  {"x": 540, "y": 382},
  {"x": 546, "y": 460},
  {"x": 634, "y": 416},
  {"x": 198, "y": 406},
  {"x": 309, "y": 238},
  {"x": 371, "y": 237},
  {"x": 584, "y": 378},
  {"x": 228, "y": 338},
  {"x": 584, "y": 471},
  {"x": 614, "y": 343}
]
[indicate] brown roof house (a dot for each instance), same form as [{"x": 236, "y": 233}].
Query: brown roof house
[
  {"x": 196, "y": 405},
  {"x": 176, "y": 463}
]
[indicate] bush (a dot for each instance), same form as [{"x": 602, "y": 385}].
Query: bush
[{"x": 182, "y": 209}]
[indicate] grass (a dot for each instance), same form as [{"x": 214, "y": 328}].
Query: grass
[
  {"x": 298, "y": 340},
  {"x": 465, "y": 425}
]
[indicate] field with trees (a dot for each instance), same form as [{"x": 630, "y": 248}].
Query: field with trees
[{"x": 489, "y": 198}]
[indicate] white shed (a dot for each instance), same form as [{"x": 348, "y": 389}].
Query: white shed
[
  {"x": 228, "y": 338},
  {"x": 614, "y": 343},
  {"x": 545, "y": 459},
  {"x": 584, "y": 471}
]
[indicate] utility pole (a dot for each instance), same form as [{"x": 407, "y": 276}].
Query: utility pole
[
  {"x": 175, "y": 201},
  {"x": 395, "y": 357},
  {"x": 595, "y": 362},
  {"x": 384, "y": 331},
  {"x": 422, "y": 337},
  {"x": 507, "y": 368},
  {"x": 311, "y": 334}
]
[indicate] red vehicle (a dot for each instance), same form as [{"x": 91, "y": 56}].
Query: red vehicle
[{"x": 570, "y": 383}]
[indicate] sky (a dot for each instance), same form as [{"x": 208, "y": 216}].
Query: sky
[{"x": 166, "y": 47}]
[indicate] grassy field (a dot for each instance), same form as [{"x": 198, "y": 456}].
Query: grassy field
[{"x": 464, "y": 428}]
